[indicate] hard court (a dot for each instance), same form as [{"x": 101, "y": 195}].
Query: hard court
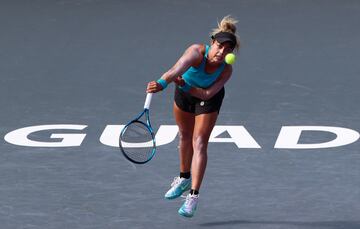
[{"x": 86, "y": 63}]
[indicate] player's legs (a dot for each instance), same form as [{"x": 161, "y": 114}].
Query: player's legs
[
  {"x": 204, "y": 124},
  {"x": 206, "y": 113}
]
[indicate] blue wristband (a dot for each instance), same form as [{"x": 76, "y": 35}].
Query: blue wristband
[
  {"x": 185, "y": 88},
  {"x": 162, "y": 82}
]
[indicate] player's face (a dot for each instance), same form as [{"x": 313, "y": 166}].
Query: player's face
[{"x": 218, "y": 51}]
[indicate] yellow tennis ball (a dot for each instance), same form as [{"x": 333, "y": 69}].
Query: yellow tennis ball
[{"x": 230, "y": 58}]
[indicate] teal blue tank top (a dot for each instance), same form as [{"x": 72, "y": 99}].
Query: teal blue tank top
[{"x": 197, "y": 77}]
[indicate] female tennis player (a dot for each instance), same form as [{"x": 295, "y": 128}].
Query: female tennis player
[{"x": 200, "y": 75}]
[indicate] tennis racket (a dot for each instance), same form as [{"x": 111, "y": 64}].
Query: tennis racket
[{"x": 137, "y": 139}]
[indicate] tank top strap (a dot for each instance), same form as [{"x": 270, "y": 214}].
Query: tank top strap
[
  {"x": 207, "y": 50},
  {"x": 202, "y": 65}
]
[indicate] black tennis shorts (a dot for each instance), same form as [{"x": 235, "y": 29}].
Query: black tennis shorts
[{"x": 196, "y": 106}]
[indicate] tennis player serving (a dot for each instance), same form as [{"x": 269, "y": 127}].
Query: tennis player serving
[{"x": 200, "y": 75}]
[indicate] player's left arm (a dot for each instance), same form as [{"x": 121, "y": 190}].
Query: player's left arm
[{"x": 207, "y": 93}]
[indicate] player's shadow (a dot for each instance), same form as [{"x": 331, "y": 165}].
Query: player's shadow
[{"x": 298, "y": 224}]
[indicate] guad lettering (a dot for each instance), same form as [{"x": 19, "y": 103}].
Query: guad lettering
[{"x": 288, "y": 136}]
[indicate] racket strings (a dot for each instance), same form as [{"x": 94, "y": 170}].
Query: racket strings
[{"x": 137, "y": 142}]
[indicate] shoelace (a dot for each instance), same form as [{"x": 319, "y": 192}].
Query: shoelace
[
  {"x": 176, "y": 181},
  {"x": 190, "y": 199}
]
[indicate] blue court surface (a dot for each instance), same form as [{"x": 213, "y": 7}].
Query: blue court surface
[{"x": 283, "y": 155}]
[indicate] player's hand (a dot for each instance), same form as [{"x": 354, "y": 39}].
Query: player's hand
[
  {"x": 153, "y": 87},
  {"x": 179, "y": 81}
]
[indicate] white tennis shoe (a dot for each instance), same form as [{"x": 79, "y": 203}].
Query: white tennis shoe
[
  {"x": 178, "y": 187},
  {"x": 189, "y": 207}
]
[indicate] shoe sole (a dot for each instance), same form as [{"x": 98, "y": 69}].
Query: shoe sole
[
  {"x": 185, "y": 214},
  {"x": 174, "y": 197}
]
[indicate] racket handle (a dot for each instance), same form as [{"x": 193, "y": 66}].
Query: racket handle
[{"x": 148, "y": 100}]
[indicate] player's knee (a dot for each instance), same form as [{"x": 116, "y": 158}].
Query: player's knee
[
  {"x": 200, "y": 143},
  {"x": 185, "y": 136}
]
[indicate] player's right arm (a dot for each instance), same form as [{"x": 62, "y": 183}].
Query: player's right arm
[{"x": 191, "y": 57}]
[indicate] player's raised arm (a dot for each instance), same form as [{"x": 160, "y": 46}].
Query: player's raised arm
[{"x": 192, "y": 56}]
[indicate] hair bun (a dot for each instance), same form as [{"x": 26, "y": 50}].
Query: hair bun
[{"x": 227, "y": 24}]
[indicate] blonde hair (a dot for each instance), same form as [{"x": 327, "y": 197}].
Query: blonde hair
[{"x": 228, "y": 24}]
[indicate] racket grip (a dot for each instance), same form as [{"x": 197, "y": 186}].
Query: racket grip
[{"x": 148, "y": 100}]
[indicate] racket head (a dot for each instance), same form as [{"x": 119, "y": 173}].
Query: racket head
[{"x": 137, "y": 142}]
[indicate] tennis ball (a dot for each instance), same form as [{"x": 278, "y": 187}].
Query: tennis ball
[{"x": 230, "y": 58}]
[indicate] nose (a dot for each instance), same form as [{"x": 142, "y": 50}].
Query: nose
[{"x": 221, "y": 50}]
